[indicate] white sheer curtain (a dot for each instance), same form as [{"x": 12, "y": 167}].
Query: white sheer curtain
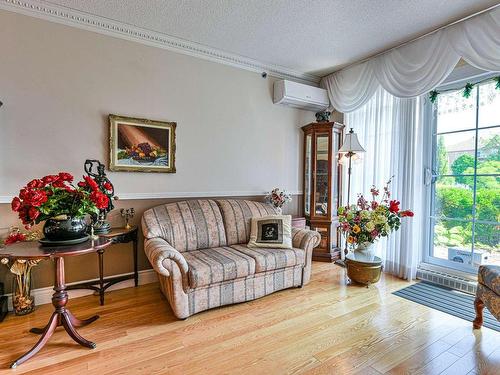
[
  {"x": 418, "y": 67},
  {"x": 390, "y": 129}
]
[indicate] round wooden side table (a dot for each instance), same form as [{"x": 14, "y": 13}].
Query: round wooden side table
[
  {"x": 61, "y": 315},
  {"x": 363, "y": 269}
]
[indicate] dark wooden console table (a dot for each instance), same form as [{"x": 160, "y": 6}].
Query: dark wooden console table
[
  {"x": 61, "y": 316},
  {"x": 117, "y": 235}
]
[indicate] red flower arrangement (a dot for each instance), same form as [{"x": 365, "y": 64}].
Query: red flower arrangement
[{"x": 55, "y": 195}]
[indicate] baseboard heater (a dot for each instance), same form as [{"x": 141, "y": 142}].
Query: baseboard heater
[{"x": 446, "y": 279}]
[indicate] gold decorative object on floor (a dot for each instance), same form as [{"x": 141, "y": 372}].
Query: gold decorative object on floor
[
  {"x": 127, "y": 214},
  {"x": 363, "y": 269},
  {"x": 22, "y": 301}
]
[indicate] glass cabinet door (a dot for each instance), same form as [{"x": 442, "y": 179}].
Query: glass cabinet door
[
  {"x": 335, "y": 172},
  {"x": 307, "y": 174},
  {"x": 321, "y": 188}
]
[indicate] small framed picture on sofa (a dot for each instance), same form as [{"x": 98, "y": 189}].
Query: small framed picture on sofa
[{"x": 141, "y": 145}]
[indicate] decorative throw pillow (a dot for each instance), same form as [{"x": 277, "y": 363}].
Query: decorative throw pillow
[{"x": 271, "y": 231}]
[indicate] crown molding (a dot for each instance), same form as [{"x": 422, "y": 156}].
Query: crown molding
[
  {"x": 74, "y": 18},
  {"x": 177, "y": 194}
]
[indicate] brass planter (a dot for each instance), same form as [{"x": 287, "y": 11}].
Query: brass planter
[{"x": 362, "y": 272}]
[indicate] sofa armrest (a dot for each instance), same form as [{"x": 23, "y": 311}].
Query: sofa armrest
[
  {"x": 163, "y": 257},
  {"x": 305, "y": 239}
]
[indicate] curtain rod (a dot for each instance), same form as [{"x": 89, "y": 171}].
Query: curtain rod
[{"x": 417, "y": 38}]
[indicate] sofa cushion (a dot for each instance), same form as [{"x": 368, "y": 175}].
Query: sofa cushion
[
  {"x": 237, "y": 214},
  {"x": 273, "y": 259},
  {"x": 186, "y": 225},
  {"x": 218, "y": 264},
  {"x": 489, "y": 276},
  {"x": 273, "y": 231}
]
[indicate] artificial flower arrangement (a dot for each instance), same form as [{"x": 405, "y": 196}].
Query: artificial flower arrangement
[
  {"x": 55, "y": 195},
  {"x": 63, "y": 206},
  {"x": 15, "y": 235},
  {"x": 278, "y": 198},
  {"x": 367, "y": 221}
]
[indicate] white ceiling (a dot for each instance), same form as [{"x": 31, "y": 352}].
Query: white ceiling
[{"x": 309, "y": 36}]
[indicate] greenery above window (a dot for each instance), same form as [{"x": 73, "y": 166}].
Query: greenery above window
[{"x": 467, "y": 90}]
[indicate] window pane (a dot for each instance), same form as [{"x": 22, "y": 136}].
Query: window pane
[
  {"x": 488, "y": 199},
  {"x": 452, "y": 240},
  {"x": 454, "y": 112},
  {"x": 455, "y": 152},
  {"x": 453, "y": 199},
  {"x": 489, "y": 105},
  {"x": 488, "y": 153},
  {"x": 487, "y": 244}
]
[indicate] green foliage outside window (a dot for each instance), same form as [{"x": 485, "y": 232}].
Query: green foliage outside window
[
  {"x": 455, "y": 195},
  {"x": 460, "y": 165}
]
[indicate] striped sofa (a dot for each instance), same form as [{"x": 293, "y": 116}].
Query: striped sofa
[{"x": 198, "y": 248}]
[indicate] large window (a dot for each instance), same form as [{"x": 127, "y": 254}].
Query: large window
[{"x": 465, "y": 203}]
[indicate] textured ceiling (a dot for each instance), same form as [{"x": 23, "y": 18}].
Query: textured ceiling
[{"x": 310, "y": 36}]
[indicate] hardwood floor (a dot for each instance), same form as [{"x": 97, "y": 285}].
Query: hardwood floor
[{"x": 327, "y": 327}]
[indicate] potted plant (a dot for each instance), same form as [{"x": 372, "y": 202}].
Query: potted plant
[
  {"x": 367, "y": 221},
  {"x": 62, "y": 205}
]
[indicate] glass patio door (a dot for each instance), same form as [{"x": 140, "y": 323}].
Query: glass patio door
[{"x": 465, "y": 191}]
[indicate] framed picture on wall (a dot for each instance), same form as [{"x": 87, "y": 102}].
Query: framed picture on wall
[{"x": 140, "y": 145}]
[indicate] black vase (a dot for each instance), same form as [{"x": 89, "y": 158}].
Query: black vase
[{"x": 64, "y": 229}]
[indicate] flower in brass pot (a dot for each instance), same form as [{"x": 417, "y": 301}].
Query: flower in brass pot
[{"x": 367, "y": 221}]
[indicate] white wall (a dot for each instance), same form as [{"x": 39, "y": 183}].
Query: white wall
[{"x": 59, "y": 84}]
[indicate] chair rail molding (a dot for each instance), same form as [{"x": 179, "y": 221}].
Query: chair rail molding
[
  {"x": 74, "y": 18},
  {"x": 177, "y": 194}
]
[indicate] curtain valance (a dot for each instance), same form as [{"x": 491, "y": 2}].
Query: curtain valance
[{"x": 420, "y": 66}]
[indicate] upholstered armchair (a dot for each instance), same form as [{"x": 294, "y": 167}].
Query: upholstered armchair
[{"x": 488, "y": 293}]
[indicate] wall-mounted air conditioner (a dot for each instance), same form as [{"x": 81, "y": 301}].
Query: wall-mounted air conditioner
[{"x": 301, "y": 96}]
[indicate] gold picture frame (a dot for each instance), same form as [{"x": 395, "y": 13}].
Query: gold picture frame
[{"x": 141, "y": 145}]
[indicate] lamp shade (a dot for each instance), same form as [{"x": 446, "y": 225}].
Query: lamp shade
[{"x": 351, "y": 143}]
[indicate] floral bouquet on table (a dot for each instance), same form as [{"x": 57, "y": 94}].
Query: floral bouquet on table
[
  {"x": 367, "y": 221},
  {"x": 62, "y": 205},
  {"x": 278, "y": 198}
]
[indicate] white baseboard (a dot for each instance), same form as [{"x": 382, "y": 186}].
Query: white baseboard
[{"x": 44, "y": 295}]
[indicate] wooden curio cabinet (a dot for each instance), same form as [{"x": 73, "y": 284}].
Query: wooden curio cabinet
[{"x": 322, "y": 185}]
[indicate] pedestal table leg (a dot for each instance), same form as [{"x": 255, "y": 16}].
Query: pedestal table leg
[{"x": 61, "y": 316}]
